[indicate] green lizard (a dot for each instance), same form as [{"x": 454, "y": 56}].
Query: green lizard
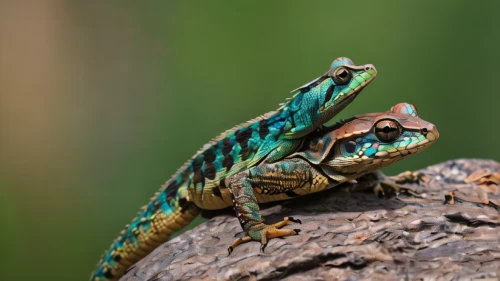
[{"x": 203, "y": 182}]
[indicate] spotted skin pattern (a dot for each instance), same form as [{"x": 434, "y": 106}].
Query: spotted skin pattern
[{"x": 201, "y": 183}]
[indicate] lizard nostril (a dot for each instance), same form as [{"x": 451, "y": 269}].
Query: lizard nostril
[
  {"x": 368, "y": 67},
  {"x": 424, "y": 131}
]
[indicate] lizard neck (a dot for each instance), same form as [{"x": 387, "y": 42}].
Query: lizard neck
[{"x": 303, "y": 113}]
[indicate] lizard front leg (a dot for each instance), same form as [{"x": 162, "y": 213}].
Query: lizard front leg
[
  {"x": 270, "y": 182},
  {"x": 387, "y": 186}
]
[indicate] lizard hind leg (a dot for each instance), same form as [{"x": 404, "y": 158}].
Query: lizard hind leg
[{"x": 248, "y": 213}]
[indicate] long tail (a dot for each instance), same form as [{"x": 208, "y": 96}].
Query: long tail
[{"x": 153, "y": 226}]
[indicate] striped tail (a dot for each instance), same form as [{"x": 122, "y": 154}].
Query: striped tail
[{"x": 152, "y": 227}]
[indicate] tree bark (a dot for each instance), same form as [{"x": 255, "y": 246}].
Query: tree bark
[{"x": 424, "y": 233}]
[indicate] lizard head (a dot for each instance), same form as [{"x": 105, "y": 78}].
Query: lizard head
[
  {"x": 321, "y": 99},
  {"x": 348, "y": 80},
  {"x": 369, "y": 142}
]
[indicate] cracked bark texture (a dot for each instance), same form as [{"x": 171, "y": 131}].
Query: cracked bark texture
[{"x": 352, "y": 236}]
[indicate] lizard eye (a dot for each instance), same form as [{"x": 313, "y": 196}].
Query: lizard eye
[
  {"x": 341, "y": 75},
  {"x": 387, "y": 130},
  {"x": 350, "y": 147}
]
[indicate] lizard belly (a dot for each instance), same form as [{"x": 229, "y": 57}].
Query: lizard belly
[
  {"x": 211, "y": 197},
  {"x": 317, "y": 184}
]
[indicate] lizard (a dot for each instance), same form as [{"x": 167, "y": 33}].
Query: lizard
[
  {"x": 201, "y": 182},
  {"x": 354, "y": 149}
]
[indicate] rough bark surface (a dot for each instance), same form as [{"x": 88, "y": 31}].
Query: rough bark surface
[{"x": 419, "y": 235}]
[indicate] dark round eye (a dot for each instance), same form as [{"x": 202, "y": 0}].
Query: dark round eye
[
  {"x": 341, "y": 75},
  {"x": 387, "y": 130},
  {"x": 350, "y": 147}
]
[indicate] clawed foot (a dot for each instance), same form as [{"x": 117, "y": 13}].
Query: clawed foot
[
  {"x": 409, "y": 177},
  {"x": 387, "y": 187},
  {"x": 390, "y": 186},
  {"x": 386, "y": 190},
  {"x": 262, "y": 232}
]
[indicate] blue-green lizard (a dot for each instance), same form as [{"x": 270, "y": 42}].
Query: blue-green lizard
[{"x": 209, "y": 179}]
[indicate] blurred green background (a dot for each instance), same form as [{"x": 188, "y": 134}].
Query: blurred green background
[{"x": 101, "y": 102}]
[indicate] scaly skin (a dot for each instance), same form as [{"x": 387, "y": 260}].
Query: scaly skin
[
  {"x": 347, "y": 151},
  {"x": 201, "y": 182}
]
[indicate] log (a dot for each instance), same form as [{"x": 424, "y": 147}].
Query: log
[{"x": 440, "y": 229}]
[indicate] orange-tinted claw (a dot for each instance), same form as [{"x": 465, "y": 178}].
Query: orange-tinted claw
[
  {"x": 237, "y": 242},
  {"x": 262, "y": 247},
  {"x": 272, "y": 232},
  {"x": 265, "y": 232}
]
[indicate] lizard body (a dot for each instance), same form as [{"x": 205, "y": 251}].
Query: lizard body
[
  {"x": 201, "y": 183},
  {"x": 347, "y": 151}
]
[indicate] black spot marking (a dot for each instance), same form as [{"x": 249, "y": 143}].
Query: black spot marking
[
  {"x": 210, "y": 172},
  {"x": 228, "y": 162},
  {"x": 290, "y": 193},
  {"x": 263, "y": 129},
  {"x": 117, "y": 257},
  {"x": 216, "y": 191},
  {"x": 222, "y": 183},
  {"x": 242, "y": 137},
  {"x": 226, "y": 147},
  {"x": 329, "y": 94},
  {"x": 182, "y": 201},
  {"x": 171, "y": 190},
  {"x": 184, "y": 204},
  {"x": 350, "y": 147},
  {"x": 107, "y": 273},
  {"x": 198, "y": 176},
  {"x": 209, "y": 155}
]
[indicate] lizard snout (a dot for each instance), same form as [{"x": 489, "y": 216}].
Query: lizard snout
[
  {"x": 370, "y": 67},
  {"x": 430, "y": 132}
]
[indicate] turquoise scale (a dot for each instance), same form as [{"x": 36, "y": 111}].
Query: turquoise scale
[{"x": 370, "y": 151}]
